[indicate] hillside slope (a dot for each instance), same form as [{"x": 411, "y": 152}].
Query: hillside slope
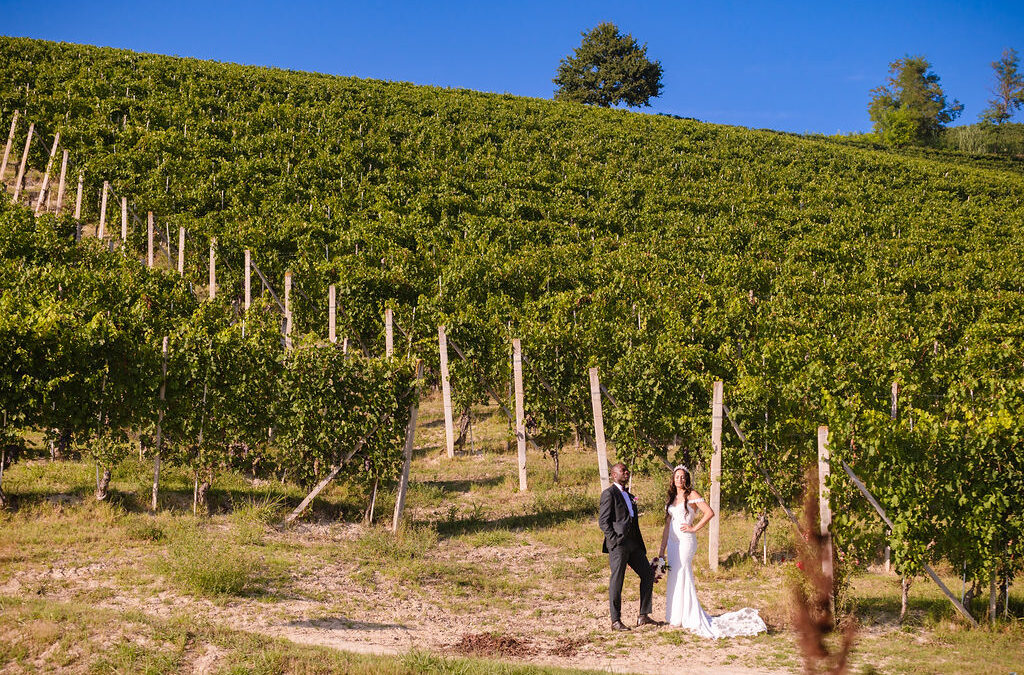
[{"x": 806, "y": 274}]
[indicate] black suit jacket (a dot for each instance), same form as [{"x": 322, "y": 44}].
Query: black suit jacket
[{"x": 613, "y": 517}]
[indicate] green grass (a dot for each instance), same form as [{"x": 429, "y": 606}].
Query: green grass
[{"x": 209, "y": 565}]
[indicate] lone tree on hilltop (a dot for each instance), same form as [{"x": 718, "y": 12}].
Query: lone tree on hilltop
[
  {"x": 1009, "y": 89},
  {"x": 911, "y": 108},
  {"x": 608, "y": 68}
]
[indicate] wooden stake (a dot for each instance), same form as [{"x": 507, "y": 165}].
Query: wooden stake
[
  {"x": 124, "y": 218},
  {"x": 288, "y": 310},
  {"x": 714, "y": 528},
  {"x": 893, "y": 413},
  {"x": 78, "y": 195},
  {"x": 517, "y": 375},
  {"x": 248, "y": 279},
  {"x": 389, "y": 333},
  {"x": 602, "y": 449},
  {"x": 410, "y": 434},
  {"x": 287, "y": 292},
  {"x": 181, "y": 251},
  {"x": 824, "y": 510},
  {"x": 213, "y": 267},
  {"x": 159, "y": 422},
  {"x": 101, "y": 228},
  {"x": 62, "y": 184},
  {"x": 7, "y": 148},
  {"x": 24, "y": 163},
  {"x": 149, "y": 239},
  {"x": 332, "y": 318},
  {"x": 446, "y": 393},
  {"x": 46, "y": 175}
]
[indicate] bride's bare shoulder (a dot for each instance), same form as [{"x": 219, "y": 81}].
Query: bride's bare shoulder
[{"x": 694, "y": 496}]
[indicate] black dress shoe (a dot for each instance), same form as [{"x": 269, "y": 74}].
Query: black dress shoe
[
  {"x": 646, "y": 620},
  {"x": 618, "y": 625}
]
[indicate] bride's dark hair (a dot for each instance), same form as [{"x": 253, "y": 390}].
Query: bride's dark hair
[{"x": 672, "y": 491}]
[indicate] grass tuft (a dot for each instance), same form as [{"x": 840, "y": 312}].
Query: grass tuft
[{"x": 205, "y": 565}]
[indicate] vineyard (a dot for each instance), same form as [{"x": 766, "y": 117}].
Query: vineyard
[{"x": 823, "y": 284}]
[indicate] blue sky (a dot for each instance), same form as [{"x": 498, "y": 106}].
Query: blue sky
[{"x": 793, "y": 66}]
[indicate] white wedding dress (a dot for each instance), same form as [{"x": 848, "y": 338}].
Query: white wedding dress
[{"x": 682, "y": 606}]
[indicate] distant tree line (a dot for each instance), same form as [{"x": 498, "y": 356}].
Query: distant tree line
[
  {"x": 610, "y": 68},
  {"x": 912, "y": 109}
]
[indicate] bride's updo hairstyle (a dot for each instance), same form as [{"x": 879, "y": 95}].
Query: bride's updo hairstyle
[{"x": 672, "y": 491}]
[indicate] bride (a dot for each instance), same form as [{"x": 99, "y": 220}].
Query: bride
[{"x": 679, "y": 540}]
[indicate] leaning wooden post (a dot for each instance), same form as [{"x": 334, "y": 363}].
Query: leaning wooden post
[
  {"x": 824, "y": 510},
  {"x": 24, "y": 162},
  {"x": 517, "y": 375},
  {"x": 7, "y": 148},
  {"x": 101, "y": 228},
  {"x": 602, "y": 449},
  {"x": 389, "y": 332},
  {"x": 46, "y": 175},
  {"x": 181, "y": 251},
  {"x": 213, "y": 267},
  {"x": 714, "y": 529},
  {"x": 410, "y": 434},
  {"x": 62, "y": 184},
  {"x": 446, "y": 393},
  {"x": 159, "y": 422},
  {"x": 149, "y": 239},
  {"x": 332, "y": 315},
  {"x": 248, "y": 279}
]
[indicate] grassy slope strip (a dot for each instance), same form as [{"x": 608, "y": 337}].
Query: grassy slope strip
[{"x": 808, "y": 275}]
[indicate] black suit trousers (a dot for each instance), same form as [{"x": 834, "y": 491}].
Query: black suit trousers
[{"x": 633, "y": 556}]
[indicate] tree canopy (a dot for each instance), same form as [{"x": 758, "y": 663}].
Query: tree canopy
[
  {"x": 1009, "y": 90},
  {"x": 608, "y": 68},
  {"x": 911, "y": 108}
]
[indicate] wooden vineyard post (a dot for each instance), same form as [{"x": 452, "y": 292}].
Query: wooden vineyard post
[
  {"x": 101, "y": 228},
  {"x": 893, "y": 414},
  {"x": 288, "y": 310},
  {"x": 40, "y": 200},
  {"x": 824, "y": 510},
  {"x": 517, "y": 374},
  {"x": 181, "y": 251},
  {"x": 62, "y": 183},
  {"x": 78, "y": 196},
  {"x": 124, "y": 219},
  {"x": 410, "y": 434},
  {"x": 247, "y": 275},
  {"x": 714, "y": 529},
  {"x": 389, "y": 332},
  {"x": 159, "y": 422},
  {"x": 149, "y": 239},
  {"x": 24, "y": 162},
  {"x": 332, "y": 314},
  {"x": 7, "y": 148},
  {"x": 213, "y": 268},
  {"x": 602, "y": 449},
  {"x": 446, "y": 393}
]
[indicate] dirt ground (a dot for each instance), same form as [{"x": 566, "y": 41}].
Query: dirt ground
[{"x": 384, "y": 619}]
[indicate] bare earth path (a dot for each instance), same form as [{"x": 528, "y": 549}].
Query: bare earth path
[{"x": 322, "y": 606}]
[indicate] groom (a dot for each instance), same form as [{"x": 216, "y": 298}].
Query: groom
[{"x": 624, "y": 545}]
